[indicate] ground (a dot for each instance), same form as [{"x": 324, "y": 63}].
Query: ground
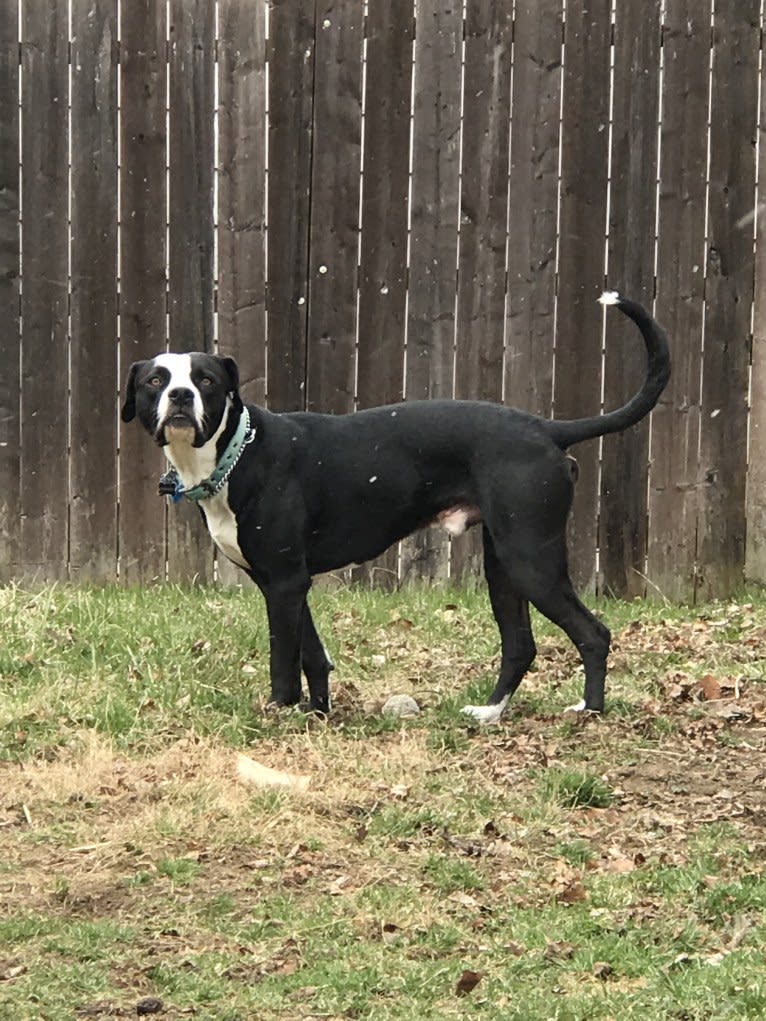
[{"x": 553, "y": 866}]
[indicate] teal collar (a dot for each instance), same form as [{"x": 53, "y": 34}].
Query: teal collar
[{"x": 215, "y": 482}]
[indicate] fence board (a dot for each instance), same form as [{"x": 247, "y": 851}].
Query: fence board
[
  {"x": 434, "y": 217},
  {"x": 291, "y": 75},
  {"x": 625, "y": 461},
  {"x": 673, "y": 490},
  {"x": 581, "y": 255},
  {"x": 190, "y": 257},
  {"x": 483, "y": 223},
  {"x": 535, "y": 141},
  {"x": 9, "y": 289},
  {"x": 242, "y": 193},
  {"x": 728, "y": 298},
  {"x": 755, "y": 508},
  {"x": 383, "y": 254},
  {"x": 45, "y": 240},
  {"x": 143, "y": 282},
  {"x": 242, "y": 204},
  {"x": 93, "y": 301},
  {"x": 335, "y": 185}
]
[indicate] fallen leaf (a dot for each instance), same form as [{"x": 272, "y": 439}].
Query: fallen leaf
[
  {"x": 464, "y": 899},
  {"x": 258, "y": 775},
  {"x": 149, "y": 1005},
  {"x": 621, "y": 865},
  {"x": 710, "y": 688},
  {"x": 12, "y": 971},
  {"x": 572, "y": 894},
  {"x": 468, "y": 982},
  {"x": 602, "y": 970},
  {"x": 560, "y": 949},
  {"x": 389, "y": 932}
]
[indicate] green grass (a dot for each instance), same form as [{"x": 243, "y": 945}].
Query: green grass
[{"x": 585, "y": 868}]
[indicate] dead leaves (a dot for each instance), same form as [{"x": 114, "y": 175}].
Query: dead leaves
[
  {"x": 682, "y": 687},
  {"x": 468, "y": 982}
]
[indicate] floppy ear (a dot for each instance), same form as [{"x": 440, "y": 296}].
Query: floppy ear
[
  {"x": 232, "y": 372},
  {"x": 129, "y": 407}
]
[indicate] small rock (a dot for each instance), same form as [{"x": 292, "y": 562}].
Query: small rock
[{"x": 401, "y": 706}]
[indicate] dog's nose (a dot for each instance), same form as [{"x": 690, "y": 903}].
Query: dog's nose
[{"x": 181, "y": 395}]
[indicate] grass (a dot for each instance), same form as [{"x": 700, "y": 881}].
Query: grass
[{"x": 581, "y": 868}]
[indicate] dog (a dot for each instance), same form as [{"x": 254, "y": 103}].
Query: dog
[{"x": 292, "y": 495}]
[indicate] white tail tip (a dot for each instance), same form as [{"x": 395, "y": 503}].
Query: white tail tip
[{"x": 609, "y": 298}]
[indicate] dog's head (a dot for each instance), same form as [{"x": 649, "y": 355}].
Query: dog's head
[{"x": 181, "y": 396}]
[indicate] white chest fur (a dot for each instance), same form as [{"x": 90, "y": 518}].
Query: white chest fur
[{"x": 222, "y": 526}]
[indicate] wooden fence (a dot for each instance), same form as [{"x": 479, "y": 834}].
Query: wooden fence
[{"x": 368, "y": 201}]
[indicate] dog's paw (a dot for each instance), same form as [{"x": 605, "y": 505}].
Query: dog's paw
[
  {"x": 578, "y": 708},
  {"x": 583, "y": 709},
  {"x": 484, "y": 714}
]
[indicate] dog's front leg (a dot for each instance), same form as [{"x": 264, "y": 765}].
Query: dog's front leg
[
  {"x": 285, "y": 602},
  {"x": 316, "y": 665}
]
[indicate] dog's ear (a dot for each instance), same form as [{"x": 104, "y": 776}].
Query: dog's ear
[
  {"x": 129, "y": 407},
  {"x": 230, "y": 367}
]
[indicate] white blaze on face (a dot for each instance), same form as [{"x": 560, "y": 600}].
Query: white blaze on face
[{"x": 179, "y": 367}]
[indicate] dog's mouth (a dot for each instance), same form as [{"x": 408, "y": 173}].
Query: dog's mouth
[
  {"x": 177, "y": 425},
  {"x": 179, "y": 420}
]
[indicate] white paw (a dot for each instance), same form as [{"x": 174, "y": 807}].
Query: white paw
[
  {"x": 484, "y": 714},
  {"x": 578, "y": 708}
]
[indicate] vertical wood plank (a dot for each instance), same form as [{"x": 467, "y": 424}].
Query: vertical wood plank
[
  {"x": 93, "y": 301},
  {"x": 755, "y": 508},
  {"x": 625, "y": 460},
  {"x": 435, "y": 188},
  {"x": 242, "y": 205},
  {"x": 291, "y": 76},
  {"x": 483, "y": 201},
  {"x": 335, "y": 184},
  {"x": 483, "y": 220},
  {"x": 584, "y": 161},
  {"x": 433, "y": 235},
  {"x": 242, "y": 193},
  {"x": 383, "y": 267},
  {"x": 190, "y": 146},
  {"x": 535, "y": 142},
  {"x": 728, "y": 298},
  {"x": 383, "y": 256},
  {"x": 143, "y": 278},
  {"x": 10, "y": 268},
  {"x": 45, "y": 242},
  {"x": 674, "y": 475}
]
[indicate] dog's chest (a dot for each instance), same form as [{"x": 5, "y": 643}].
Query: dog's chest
[{"x": 222, "y": 525}]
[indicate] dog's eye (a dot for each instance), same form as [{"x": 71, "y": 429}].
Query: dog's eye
[
  {"x": 206, "y": 381},
  {"x": 155, "y": 381}
]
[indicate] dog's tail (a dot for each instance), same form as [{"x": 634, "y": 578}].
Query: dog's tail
[{"x": 566, "y": 433}]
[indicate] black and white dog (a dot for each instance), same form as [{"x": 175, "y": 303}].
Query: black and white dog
[{"x": 288, "y": 496}]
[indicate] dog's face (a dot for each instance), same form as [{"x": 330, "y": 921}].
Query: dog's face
[{"x": 180, "y": 397}]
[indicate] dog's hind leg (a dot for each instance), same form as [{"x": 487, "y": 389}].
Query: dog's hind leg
[
  {"x": 316, "y": 665},
  {"x": 561, "y": 605},
  {"x": 511, "y": 612}
]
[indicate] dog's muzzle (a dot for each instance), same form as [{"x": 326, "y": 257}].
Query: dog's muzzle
[{"x": 178, "y": 413}]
